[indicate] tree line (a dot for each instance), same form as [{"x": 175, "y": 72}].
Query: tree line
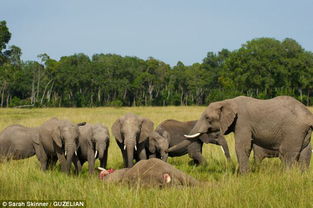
[{"x": 261, "y": 68}]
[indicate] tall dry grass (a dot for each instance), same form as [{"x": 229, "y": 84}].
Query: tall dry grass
[{"x": 268, "y": 186}]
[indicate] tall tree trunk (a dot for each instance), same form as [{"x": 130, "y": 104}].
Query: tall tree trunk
[
  {"x": 32, "y": 98},
  {"x": 44, "y": 92},
  {"x": 8, "y": 97},
  {"x": 2, "y": 93},
  {"x": 38, "y": 83},
  {"x": 99, "y": 95}
]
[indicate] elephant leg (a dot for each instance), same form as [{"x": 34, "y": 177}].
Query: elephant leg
[
  {"x": 103, "y": 162},
  {"x": 124, "y": 154},
  {"x": 289, "y": 158},
  {"x": 62, "y": 160},
  {"x": 52, "y": 161},
  {"x": 305, "y": 157},
  {"x": 305, "y": 154},
  {"x": 243, "y": 149},
  {"x": 221, "y": 141},
  {"x": 41, "y": 156},
  {"x": 152, "y": 156},
  {"x": 142, "y": 155},
  {"x": 195, "y": 152},
  {"x": 78, "y": 165},
  {"x": 259, "y": 154},
  {"x": 289, "y": 151}
]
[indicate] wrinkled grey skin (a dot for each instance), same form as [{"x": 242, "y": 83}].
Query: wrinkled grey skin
[
  {"x": 168, "y": 140},
  {"x": 151, "y": 173},
  {"x": 282, "y": 124},
  {"x": 16, "y": 142},
  {"x": 58, "y": 140},
  {"x": 131, "y": 134},
  {"x": 262, "y": 153},
  {"x": 94, "y": 143}
]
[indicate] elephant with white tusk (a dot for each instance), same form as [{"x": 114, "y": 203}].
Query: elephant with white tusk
[
  {"x": 131, "y": 134},
  {"x": 282, "y": 124},
  {"x": 94, "y": 140},
  {"x": 58, "y": 140},
  {"x": 168, "y": 140}
]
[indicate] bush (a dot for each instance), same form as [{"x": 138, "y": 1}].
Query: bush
[{"x": 116, "y": 103}]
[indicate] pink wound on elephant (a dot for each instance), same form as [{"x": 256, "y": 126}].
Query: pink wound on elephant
[
  {"x": 104, "y": 173},
  {"x": 166, "y": 178}
]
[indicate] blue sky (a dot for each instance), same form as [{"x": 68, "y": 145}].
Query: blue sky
[{"x": 169, "y": 30}]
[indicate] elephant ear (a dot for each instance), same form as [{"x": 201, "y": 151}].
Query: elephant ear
[
  {"x": 227, "y": 117},
  {"x": 56, "y": 136},
  {"x": 167, "y": 136},
  {"x": 116, "y": 130},
  {"x": 36, "y": 138},
  {"x": 146, "y": 128}
]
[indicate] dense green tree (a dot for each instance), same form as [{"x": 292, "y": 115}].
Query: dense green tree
[{"x": 262, "y": 68}]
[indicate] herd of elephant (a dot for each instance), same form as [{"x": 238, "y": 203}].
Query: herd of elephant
[{"x": 278, "y": 127}]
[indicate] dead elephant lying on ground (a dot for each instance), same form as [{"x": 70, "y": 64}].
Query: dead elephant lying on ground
[{"x": 152, "y": 172}]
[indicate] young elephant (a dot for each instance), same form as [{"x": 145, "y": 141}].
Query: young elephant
[
  {"x": 168, "y": 140},
  {"x": 16, "y": 142},
  {"x": 131, "y": 134},
  {"x": 260, "y": 153},
  {"x": 152, "y": 172},
  {"x": 94, "y": 143},
  {"x": 58, "y": 140}
]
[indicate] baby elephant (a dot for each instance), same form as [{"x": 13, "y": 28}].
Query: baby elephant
[
  {"x": 168, "y": 140},
  {"x": 94, "y": 143},
  {"x": 16, "y": 142},
  {"x": 152, "y": 172},
  {"x": 261, "y": 153}
]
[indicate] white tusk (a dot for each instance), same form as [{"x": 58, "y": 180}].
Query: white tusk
[
  {"x": 222, "y": 149},
  {"x": 96, "y": 153},
  {"x": 76, "y": 153},
  {"x": 135, "y": 147},
  {"x": 99, "y": 168},
  {"x": 192, "y": 136},
  {"x": 65, "y": 153},
  {"x": 124, "y": 147}
]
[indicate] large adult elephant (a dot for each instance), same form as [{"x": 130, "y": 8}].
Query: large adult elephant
[
  {"x": 16, "y": 142},
  {"x": 58, "y": 140},
  {"x": 168, "y": 140},
  {"x": 94, "y": 140},
  {"x": 131, "y": 133},
  {"x": 282, "y": 124}
]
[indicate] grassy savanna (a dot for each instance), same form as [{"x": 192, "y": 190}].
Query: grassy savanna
[{"x": 268, "y": 186}]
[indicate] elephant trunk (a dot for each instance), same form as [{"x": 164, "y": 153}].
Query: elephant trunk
[
  {"x": 70, "y": 151},
  {"x": 130, "y": 153},
  {"x": 179, "y": 146},
  {"x": 199, "y": 128},
  {"x": 101, "y": 148},
  {"x": 164, "y": 156}
]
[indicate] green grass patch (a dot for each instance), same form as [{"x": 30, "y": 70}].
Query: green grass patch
[{"x": 267, "y": 186}]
